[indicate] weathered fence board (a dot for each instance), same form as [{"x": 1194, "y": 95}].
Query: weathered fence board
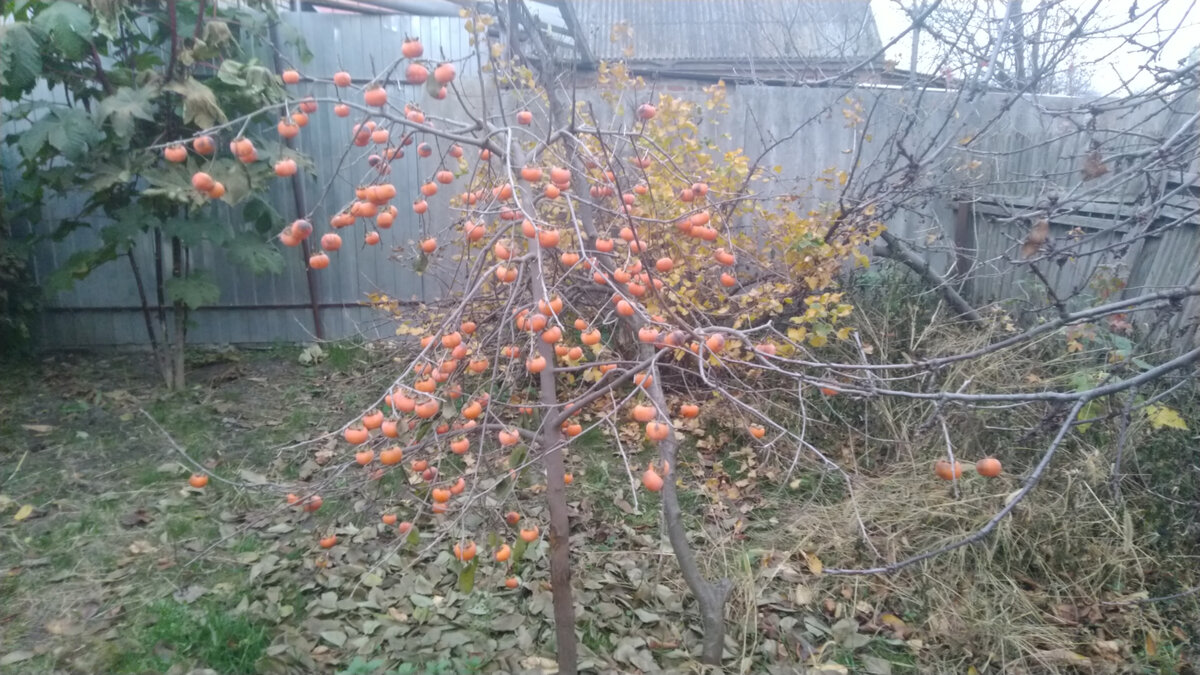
[{"x": 1032, "y": 150}]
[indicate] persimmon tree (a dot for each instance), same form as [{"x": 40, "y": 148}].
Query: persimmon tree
[
  {"x": 616, "y": 273},
  {"x": 132, "y": 75}
]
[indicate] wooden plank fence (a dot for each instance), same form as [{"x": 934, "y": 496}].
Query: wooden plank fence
[{"x": 1035, "y": 149}]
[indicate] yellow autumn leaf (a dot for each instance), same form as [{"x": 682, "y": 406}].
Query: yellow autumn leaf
[
  {"x": 23, "y": 512},
  {"x": 1161, "y": 416},
  {"x": 817, "y": 340},
  {"x": 797, "y": 333},
  {"x": 814, "y": 563}
]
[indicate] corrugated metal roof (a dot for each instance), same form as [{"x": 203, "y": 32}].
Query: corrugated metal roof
[{"x": 731, "y": 30}]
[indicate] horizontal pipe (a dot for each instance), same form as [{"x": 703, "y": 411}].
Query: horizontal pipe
[{"x": 155, "y": 308}]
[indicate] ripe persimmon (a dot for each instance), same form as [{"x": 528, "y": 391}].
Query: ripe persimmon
[
  {"x": 404, "y": 527},
  {"x": 459, "y": 446},
  {"x": 429, "y": 245},
  {"x": 715, "y": 342},
  {"x": 504, "y": 553},
  {"x": 509, "y": 437},
  {"x": 524, "y": 117},
  {"x": 946, "y": 471},
  {"x": 202, "y": 181},
  {"x": 412, "y": 49},
  {"x": 198, "y": 480},
  {"x": 416, "y": 73},
  {"x": 391, "y": 456},
  {"x": 757, "y": 431},
  {"x": 644, "y": 413},
  {"x": 651, "y": 480},
  {"x": 989, "y": 467},
  {"x": 356, "y": 435},
  {"x": 512, "y": 582},
  {"x": 329, "y": 542},
  {"x": 318, "y": 261},
  {"x": 389, "y": 519},
  {"x": 331, "y": 241},
  {"x": 689, "y": 410},
  {"x": 373, "y": 419},
  {"x": 657, "y": 431},
  {"x": 390, "y": 429},
  {"x": 465, "y": 553},
  {"x": 403, "y": 403},
  {"x": 290, "y": 76},
  {"x": 364, "y": 457},
  {"x": 512, "y": 518},
  {"x": 175, "y": 153},
  {"x": 204, "y": 145},
  {"x": 428, "y": 409},
  {"x": 529, "y": 535}
]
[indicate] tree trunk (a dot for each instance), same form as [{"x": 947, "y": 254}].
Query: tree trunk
[
  {"x": 179, "y": 317},
  {"x": 156, "y": 349},
  {"x": 710, "y": 596},
  {"x": 550, "y": 441},
  {"x": 163, "y": 348}
]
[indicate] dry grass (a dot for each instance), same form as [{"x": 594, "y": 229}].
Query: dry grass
[{"x": 1029, "y": 597}]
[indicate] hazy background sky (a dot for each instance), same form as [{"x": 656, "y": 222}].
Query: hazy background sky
[{"x": 1115, "y": 58}]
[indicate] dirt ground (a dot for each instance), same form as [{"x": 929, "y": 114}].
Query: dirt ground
[{"x": 110, "y": 563}]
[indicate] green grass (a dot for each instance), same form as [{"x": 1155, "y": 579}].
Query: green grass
[
  {"x": 345, "y": 356},
  {"x": 204, "y": 634}
]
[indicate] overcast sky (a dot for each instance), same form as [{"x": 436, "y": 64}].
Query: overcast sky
[{"x": 1116, "y": 58}]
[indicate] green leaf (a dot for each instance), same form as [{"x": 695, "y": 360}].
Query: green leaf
[
  {"x": 230, "y": 73},
  {"x": 1163, "y": 417},
  {"x": 195, "y": 291},
  {"x": 75, "y": 133},
  {"x": 78, "y": 266},
  {"x": 107, "y": 175},
  {"x": 126, "y": 105},
  {"x": 199, "y": 103},
  {"x": 262, "y": 215},
  {"x": 68, "y": 130},
  {"x": 196, "y": 229},
  {"x": 217, "y": 33},
  {"x": 20, "y": 59},
  {"x": 1088, "y": 411},
  {"x": 31, "y": 141},
  {"x": 69, "y": 27},
  {"x": 256, "y": 255},
  {"x": 466, "y": 578}
]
